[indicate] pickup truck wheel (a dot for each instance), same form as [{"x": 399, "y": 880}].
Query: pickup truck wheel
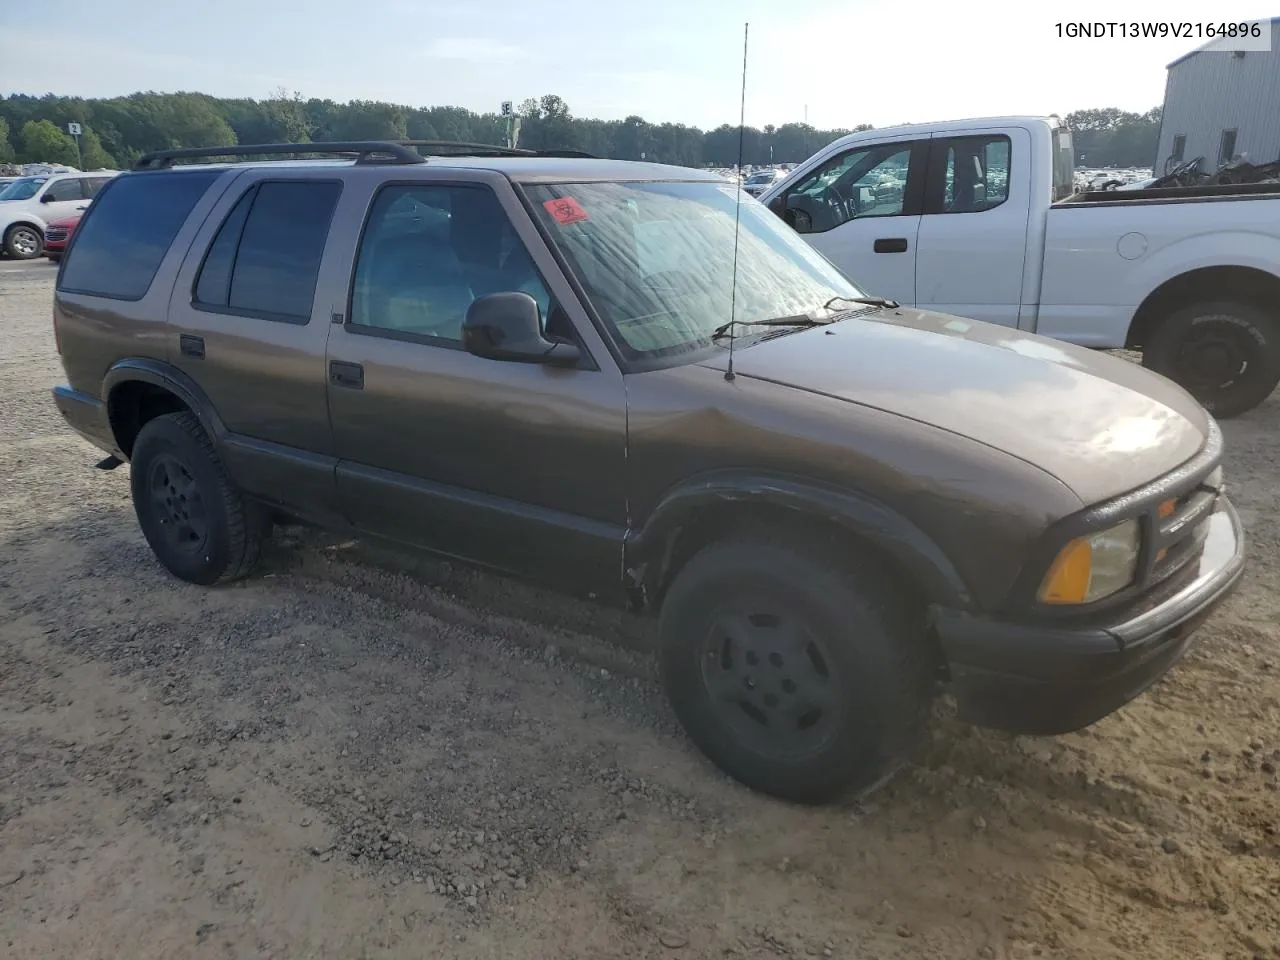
[
  {"x": 800, "y": 675},
  {"x": 23, "y": 242},
  {"x": 195, "y": 520},
  {"x": 1225, "y": 353}
]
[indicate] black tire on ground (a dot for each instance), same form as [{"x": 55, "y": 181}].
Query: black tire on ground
[
  {"x": 800, "y": 672},
  {"x": 1225, "y": 353},
  {"x": 23, "y": 242},
  {"x": 197, "y": 523}
]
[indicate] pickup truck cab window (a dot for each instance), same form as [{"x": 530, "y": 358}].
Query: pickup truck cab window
[
  {"x": 657, "y": 261},
  {"x": 428, "y": 251},
  {"x": 864, "y": 182},
  {"x": 265, "y": 258},
  {"x": 971, "y": 173}
]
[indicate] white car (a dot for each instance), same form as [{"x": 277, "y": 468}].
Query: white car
[
  {"x": 762, "y": 180},
  {"x": 977, "y": 218},
  {"x": 29, "y": 203}
]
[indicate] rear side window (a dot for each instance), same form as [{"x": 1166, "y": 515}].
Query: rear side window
[
  {"x": 265, "y": 258},
  {"x": 118, "y": 247}
]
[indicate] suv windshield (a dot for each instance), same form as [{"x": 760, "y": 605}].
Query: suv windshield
[
  {"x": 657, "y": 261},
  {"x": 23, "y": 189}
]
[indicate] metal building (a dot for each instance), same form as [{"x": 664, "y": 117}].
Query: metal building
[{"x": 1220, "y": 105}]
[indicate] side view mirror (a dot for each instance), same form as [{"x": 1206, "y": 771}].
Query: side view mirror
[
  {"x": 779, "y": 205},
  {"x": 47, "y": 197},
  {"x": 508, "y": 326}
]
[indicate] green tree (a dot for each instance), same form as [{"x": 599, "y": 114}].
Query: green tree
[
  {"x": 6, "y": 148},
  {"x": 92, "y": 154},
  {"x": 41, "y": 142}
]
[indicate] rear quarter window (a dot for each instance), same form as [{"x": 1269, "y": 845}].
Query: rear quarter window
[{"x": 123, "y": 238}]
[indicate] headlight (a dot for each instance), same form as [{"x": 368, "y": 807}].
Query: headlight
[{"x": 1090, "y": 568}]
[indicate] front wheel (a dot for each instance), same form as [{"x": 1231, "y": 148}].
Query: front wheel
[
  {"x": 195, "y": 520},
  {"x": 23, "y": 242},
  {"x": 1224, "y": 353},
  {"x": 801, "y": 674}
]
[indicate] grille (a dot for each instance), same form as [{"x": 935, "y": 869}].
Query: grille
[
  {"x": 56, "y": 234},
  {"x": 1178, "y": 526}
]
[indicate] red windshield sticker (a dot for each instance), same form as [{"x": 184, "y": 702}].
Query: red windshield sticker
[{"x": 566, "y": 210}]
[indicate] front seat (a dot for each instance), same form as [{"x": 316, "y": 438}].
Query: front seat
[{"x": 419, "y": 287}]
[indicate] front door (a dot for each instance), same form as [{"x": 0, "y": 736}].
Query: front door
[
  {"x": 861, "y": 210},
  {"x": 63, "y": 198},
  {"x": 511, "y": 465}
]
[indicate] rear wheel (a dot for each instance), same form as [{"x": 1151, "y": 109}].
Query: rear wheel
[
  {"x": 195, "y": 520},
  {"x": 800, "y": 674},
  {"x": 23, "y": 242},
  {"x": 1225, "y": 353}
]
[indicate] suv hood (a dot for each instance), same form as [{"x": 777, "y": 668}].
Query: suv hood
[{"x": 1100, "y": 424}]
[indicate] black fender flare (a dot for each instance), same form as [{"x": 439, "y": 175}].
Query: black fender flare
[
  {"x": 648, "y": 549},
  {"x": 165, "y": 375}
]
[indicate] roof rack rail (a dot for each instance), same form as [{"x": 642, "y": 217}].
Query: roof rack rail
[
  {"x": 366, "y": 151},
  {"x": 467, "y": 148}
]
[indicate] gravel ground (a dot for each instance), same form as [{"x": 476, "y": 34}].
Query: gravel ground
[{"x": 357, "y": 753}]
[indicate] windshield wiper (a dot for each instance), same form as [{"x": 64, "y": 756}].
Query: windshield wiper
[
  {"x": 869, "y": 301},
  {"x": 799, "y": 320}
]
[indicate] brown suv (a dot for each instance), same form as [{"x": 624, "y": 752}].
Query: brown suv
[{"x": 622, "y": 380}]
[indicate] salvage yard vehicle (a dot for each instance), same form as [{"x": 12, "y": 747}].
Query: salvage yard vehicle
[
  {"x": 627, "y": 381},
  {"x": 28, "y": 204},
  {"x": 989, "y": 227}
]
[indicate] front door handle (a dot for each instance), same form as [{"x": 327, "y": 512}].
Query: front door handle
[
  {"x": 890, "y": 245},
  {"x": 191, "y": 346},
  {"x": 343, "y": 374}
]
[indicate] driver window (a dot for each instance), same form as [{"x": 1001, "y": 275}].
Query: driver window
[
  {"x": 865, "y": 182},
  {"x": 428, "y": 252}
]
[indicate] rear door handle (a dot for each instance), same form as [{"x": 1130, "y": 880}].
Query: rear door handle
[
  {"x": 890, "y": 245},
  {"x": 191, "y": 346},
  {"x": 342, "y": 374}
]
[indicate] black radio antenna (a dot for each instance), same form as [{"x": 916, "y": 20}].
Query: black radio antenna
[{"x": 737, "y": 204}]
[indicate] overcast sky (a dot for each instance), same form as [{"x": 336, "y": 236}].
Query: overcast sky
[{"x": 850, "y": 62}]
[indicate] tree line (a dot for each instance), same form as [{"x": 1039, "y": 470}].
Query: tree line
[{"x": 118, "y": 130}]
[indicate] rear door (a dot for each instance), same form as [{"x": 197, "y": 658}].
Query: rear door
[
  {"x": 973, "y": 235},
  {"x": 246, "y": 326},
  {"x": 861, "y": 210}
]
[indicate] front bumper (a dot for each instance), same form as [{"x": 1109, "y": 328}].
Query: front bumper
[{"x": 1044, "y": 680}]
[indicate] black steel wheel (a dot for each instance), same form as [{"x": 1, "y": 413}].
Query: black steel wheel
[
  {"x": 195, "y": 520},
  {"x": 1226, "y": 354},
  {"x": 177, "y": 504},
  {"x": 800, "y": 672}
]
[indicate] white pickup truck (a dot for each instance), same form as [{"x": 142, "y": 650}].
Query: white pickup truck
[{"x": 978, "y": 218}]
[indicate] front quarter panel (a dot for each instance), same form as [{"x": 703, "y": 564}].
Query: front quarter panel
[{"x": 982, "y": 509}]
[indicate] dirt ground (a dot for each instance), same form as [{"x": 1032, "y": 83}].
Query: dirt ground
[{"x": 358, "y": 754}]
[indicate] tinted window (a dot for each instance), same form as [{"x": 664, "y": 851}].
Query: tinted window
[
  {"x": 265, "y": 258},
  {"x": 975, "y": 173},
  {"x": 865, "y": 182},
  {"x": 93, "y": 184},
  {"x": 120, "y": 243},
  {"x": 428, "y": 252},
  {"x": 65, "y": 190},
  {"x": 214, "y": 284}
]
